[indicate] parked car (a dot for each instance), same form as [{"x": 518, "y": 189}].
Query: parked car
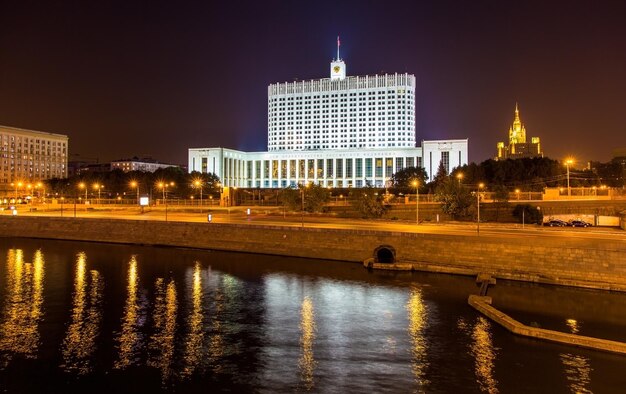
[
  {"x": 556, "y": 223},
  {"x": 579, "y": 223}
]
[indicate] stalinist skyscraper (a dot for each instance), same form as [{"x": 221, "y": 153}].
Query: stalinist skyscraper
[{"x": 518, "y": 147}]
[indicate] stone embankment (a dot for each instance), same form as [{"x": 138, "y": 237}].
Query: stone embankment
[
  {"x": 483, "y": 305},
  {"x": 584, "y": 262}
]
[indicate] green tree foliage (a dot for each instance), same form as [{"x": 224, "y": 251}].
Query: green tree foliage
[
  {"x": 404, "y": 178},
  {"x": 291, "y": 198},
  {"x": 315, "y": 197},
  {"x": 455, "y": 199},
  {"x": 528, "y": 213},
  {"x": 368, "y": 202},
  {"x": 529, "y": 174},
  {"x": 117, "y": 183}
]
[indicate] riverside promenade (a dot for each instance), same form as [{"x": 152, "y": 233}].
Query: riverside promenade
[{"x": 591, "y": 258}]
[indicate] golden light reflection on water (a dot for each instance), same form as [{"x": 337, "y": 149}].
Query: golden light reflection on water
[
  {"x": 484, "y": 355},
  {"x": 577, "y": 372},
  {"x": 195, "y": 335},
  {"x": 418, "y": 317},
  {"x": 307, "y": 337},
  {"x": 129, "y": 339},
  {"x": 81, "y": 338},
  {"x": 162, "y": 341},
  {"x": 577, "y": 368},
  {"x": 22, "y": 311},
  {"x": 573, "y": 325}
]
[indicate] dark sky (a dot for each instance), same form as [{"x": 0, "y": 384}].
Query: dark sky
[{"x": 156, "y": 78}]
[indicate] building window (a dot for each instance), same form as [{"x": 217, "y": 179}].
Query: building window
[
  {"x": 388, "y": 167},
  {"x": 379, "y": 167},
  {"x": 445, "y": 159},
  {"x": 368, "y": 168}
]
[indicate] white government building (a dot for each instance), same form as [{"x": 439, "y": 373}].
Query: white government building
[{"x": 342, "y": 131}]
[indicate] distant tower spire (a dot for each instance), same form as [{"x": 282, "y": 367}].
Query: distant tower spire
[
  {"x": 338, "y": 45},
  {"x": 337, "y": 66},
  {"x": 516, "y": 112}
]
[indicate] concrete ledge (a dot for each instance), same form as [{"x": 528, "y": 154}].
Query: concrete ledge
[{"x": 482, "y": 305}]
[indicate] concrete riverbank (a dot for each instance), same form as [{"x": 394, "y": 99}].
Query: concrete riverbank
[
  {"x": 582, "y": 262},
  {"x": 483, "y": 305}
]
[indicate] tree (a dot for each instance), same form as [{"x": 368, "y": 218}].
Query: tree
[
  {"x": 455, "y": 199},
  {"x": 291, "y": 199},
  {"x": 368, "y": 202},
  {"x": 315, "y": 197},
  {"x": 405, "y": 177},
  {"x": 500, "y": 198}
]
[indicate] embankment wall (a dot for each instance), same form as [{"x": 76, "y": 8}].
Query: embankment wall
[{"x": 584, "y": 262}]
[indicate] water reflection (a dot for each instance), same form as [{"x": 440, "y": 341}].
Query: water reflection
[
  {"x": 130, "y": 339},
  {"x": 577, "y": 367},
  {"x": 22, "y": 312},
  {"x": 80, "y": 340},
  {"x": 162, "y": 341},
  {"x": 195, "y": 335},
  {"x": 418, "y": 317},
  {"x": 483, "y": 353},
  {"x": 307, "y": 336}
]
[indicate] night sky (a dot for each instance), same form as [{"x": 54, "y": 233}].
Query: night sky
[{"x": 156, "y": 78}]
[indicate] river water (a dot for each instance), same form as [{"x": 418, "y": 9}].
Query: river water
[{"x": 88, "y": 317}]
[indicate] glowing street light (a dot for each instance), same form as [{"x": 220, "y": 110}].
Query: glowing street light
[
  {"x": 135, "y": 184},
  {"x": 164, "y": 186},
  {"x": 417, "y": 201},
  {"x": 517, "y": 191},
  {"x": 568, "y": 163},
  {"x": 83, "y": 186},
  {"x": 480, "y": 186},
  {"x": 98, "y": 187},
  {"x": 459, "y": 176},
  {"x": 198, "y": 184}
]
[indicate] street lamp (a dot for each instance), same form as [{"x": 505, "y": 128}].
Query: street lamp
[
  {"x": 459, "y": 176},
  {"x": 135, "y": 184},
  {"x": 83, "y": 186},
  {"x": 517, "y": 192},
  {"x": 480, "y": 186},
  {"x": 417, "y": 202},
  {"x": 97, "y": 187},
  {"x": 198, "y": 183},
  {"x": 568, "y": 163},
  {"x": 303, "y": 187},
  {"x": 164, "y": 186}
]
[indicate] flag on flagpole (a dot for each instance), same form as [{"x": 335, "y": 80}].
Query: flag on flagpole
[{"x": 338, "y": 42}]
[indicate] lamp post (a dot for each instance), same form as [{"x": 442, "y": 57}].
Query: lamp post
[
  {"x": 164, "y": 186},
  {"x": 83, "y": 186},
  {"x": 302, "y": 206},
  {"x": 417, "y": 202},
  {"x": 135, "y": 184},
  {"x": 198, "y": 183},
  {"x": 568, "y": 162},
  {"x": 97, "y": 187},
  {"x": 517, "y": 192},
  {"x": 459, "y": 176},
  {"x": 480, "y": 186}
]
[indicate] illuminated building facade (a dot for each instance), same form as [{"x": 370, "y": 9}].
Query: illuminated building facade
[
  {"x": 28, "y": 156},
  {"x": 341, "y": 131},
  {"x": 136, "y": 164},
  {"x": 518, "y": 146}
]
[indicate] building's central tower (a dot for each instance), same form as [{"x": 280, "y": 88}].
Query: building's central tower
[{"x": 337, "y": 66}]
